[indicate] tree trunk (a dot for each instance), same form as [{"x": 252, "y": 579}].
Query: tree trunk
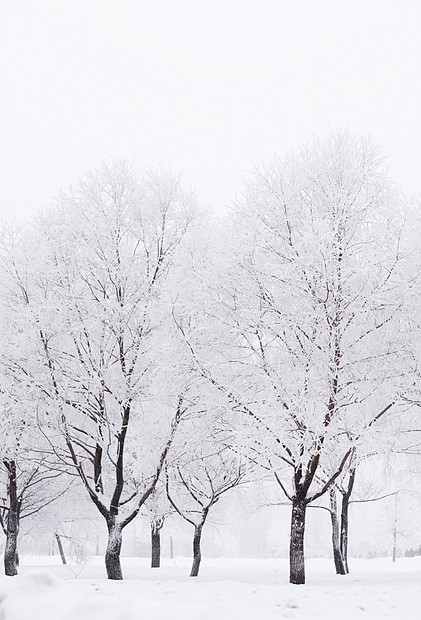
[
  {"x": 337, "y": 555},
  {"x": 344, "y": 530},
  {"x": 395, "y": 529},
  {"x": 60, "y": 548},
  {"x": 345, "y": 519},
  {"x": 296, "y": 547},
  {"x": 156, "y": 545},
  {"x": 112, "y": 554},
  {"x": 394, "y": 544},
  {"x": 11, "y": 558},
  {"x": 197, "y": 554}
]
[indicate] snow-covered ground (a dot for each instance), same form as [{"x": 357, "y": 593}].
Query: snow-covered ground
[{"x": 225, "y": 590}]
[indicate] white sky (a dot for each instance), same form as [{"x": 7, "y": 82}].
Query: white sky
[{"x": 206, "y": 86}]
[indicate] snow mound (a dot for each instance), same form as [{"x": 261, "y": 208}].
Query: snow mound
[
  {"x": 33, "y": 591},
  {"x": 36, "y": 582},
  {"x": 39, "y": 595}
]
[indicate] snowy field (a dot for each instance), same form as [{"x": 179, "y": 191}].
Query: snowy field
[{"x": 226, "y": 590}]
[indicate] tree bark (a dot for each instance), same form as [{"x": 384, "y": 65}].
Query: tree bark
[
  {"x": 345, "y": 518},
  {"x": 337, "y": 555},
  {"x": 344, "y": 530},
  {"x": 60, "y": 548},
  {"x": 99, "y": 488},
  {"x": 112, "y": 554},
  {"x": 296, "y": 547},
  {"x": 11, "y": 561},
  {"x": 11, "y": 558},
  {"x": 197, "y": 553},
  {"x": 156, "y": 545}
]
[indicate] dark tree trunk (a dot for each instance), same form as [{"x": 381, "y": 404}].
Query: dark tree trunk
[
  {"x": 60, "y": 548},
  {"x": 11, "y": 561},
  {"x": 156, "y": 545},
  {"x": 337, "y": 555},
  {"x": 115, "y": 529},
  {"x": 112, "y": 554},
  {"x": 197, "y": 554},
  {"x": 296, "y": 547},
  {"x": 99, "y": 488},
  {"x": 345, "y": 518},
  {"x": 11, "y": 558},
  {"x": 344, "y": 530}
]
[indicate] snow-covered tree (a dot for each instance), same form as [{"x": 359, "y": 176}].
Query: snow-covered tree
[
  {"x": 95, "y": 320},
  {"x": 28, "y": 484},
  {"x": 196, "y": 482},
  {"x": 303, "y": 328}
]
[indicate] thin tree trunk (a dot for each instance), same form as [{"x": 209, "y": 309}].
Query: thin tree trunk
[
  {"x": 395, "y": 529},
  {"x": 197, "y": 554},
  {"x": 345, "y": 518},
  {"x": 112, "y": 554},
  {"x": 11, "y": 559},
  {"x": 344, "y": 530},
  {"x": 296, "y": 547},
  {"x": 156, "y": 545},
  {"x": 99, "y": 488},
  {"x": 394, "y": 543},
  {"x": 60, "y": 548},
  {"x": 337, "y": 555}
]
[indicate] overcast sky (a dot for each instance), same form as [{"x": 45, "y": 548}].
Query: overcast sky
[{"x": 205, "y": 86}]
